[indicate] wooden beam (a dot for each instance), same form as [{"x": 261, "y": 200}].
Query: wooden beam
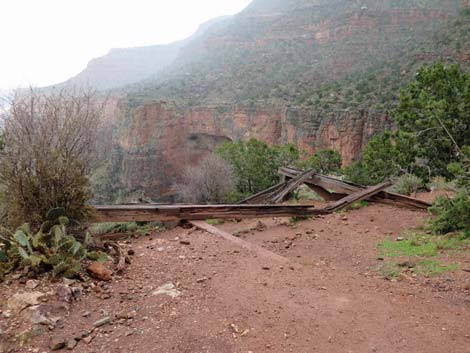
[
  {"x": 240, "y": 242},
  {"x": 149, "y": 213},
  {"x": 291, "y": 185},
  {"x": 357, "y": 196},
  {"x": 262, "y": 195},
  {"x": 279, "y": 192},
  {"x": 326, "y": 182}
]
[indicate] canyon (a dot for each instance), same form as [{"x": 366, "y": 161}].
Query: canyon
[
  {"x": 156, "y": 143},
  {"x": 318, "y": 74}
]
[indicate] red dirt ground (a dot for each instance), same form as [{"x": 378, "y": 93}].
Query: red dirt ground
[{"x": 328, "y": 298}]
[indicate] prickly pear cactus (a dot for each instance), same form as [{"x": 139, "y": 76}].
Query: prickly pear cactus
[{"x": 50, "y": 249}]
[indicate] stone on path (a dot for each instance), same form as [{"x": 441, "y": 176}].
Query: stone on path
[
  {"x": 98, "y": 271},
  {"x": 168, "y": 289},
  {"x": 20, "y": 301}
]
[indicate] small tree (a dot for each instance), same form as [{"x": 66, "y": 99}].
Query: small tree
[
  {"x": 385, "y": 156},
  {"x": 212, "y": 181},
  {"x": 452, "y": 215},
  {"x": 435, "y": 110},
  {"x": 255, "y": 164},
  {"x": 49, "y": 144},
  {"x": 324, "y": 162},
  {"x": 286, "y": 155}
]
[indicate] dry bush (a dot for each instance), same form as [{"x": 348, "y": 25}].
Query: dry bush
[
  {"x": 212, "y": 181},
  {"x": 49, "y": 145}
]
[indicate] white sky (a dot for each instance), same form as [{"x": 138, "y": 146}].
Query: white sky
[{"x": 48, "y": 41}]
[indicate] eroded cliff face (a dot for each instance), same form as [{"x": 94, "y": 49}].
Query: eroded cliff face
[{"x": 156, "y": 143}]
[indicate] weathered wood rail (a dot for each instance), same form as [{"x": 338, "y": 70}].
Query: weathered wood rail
[{"x": 149, "y": 213}]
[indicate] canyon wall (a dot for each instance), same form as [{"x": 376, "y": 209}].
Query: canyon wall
[{"x": 156, "y": 142}]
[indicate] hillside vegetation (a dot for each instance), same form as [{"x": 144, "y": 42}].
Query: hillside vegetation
[{"x": 341, "y": 54}]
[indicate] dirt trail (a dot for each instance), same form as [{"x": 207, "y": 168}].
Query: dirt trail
[{"x": 331, "y": 299}]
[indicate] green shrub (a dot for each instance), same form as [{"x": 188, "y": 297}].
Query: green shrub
[
  {"x": 435, "y": 110},
  {"x": 385, "y": 156},
  {"x": 407, "y": 184},
  {"x": 50, "y": 249},
  {"x": 255, "y": 164},
  {"x": 461, "y": 170},
  {"x": 441, "y": 183},
  {"x": 357, "y": 173},
  {"x": 324, "y": 162},
  {"x": 452, "y": 215}
]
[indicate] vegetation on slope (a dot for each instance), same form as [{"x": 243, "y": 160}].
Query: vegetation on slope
[{"x": 273, "y": 59}]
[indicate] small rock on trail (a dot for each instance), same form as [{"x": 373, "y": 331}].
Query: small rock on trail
[
  {"x": 20, "y": 301},
  {"x": 71, "y": 344},
  {"x": 99, "y": 271},
  {"x": 168, "y": 289},
  {"x": 58, "y": 343},
  {"x": 104, "y": 321}
]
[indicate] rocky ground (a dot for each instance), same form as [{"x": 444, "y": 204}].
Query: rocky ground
[{"x": 187, "y": 291}]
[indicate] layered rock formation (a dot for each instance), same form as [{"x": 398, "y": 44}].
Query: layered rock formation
[
  {"x": 340, "y": 62},
  {"x": 156, "y": 143}
]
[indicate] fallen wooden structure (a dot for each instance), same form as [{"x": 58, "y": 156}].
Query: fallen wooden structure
[
  {"x": 333, "y": 189},
  {"x": 279, "y": 192},
  {"x": 339, "y": 193},
  {"x": 157, "y": 212}
]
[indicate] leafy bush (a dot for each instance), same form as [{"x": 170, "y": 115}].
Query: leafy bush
[
  {"x": 50, "y": 249},
  {"x": 435, "y": 109},
  {"x": 385, "y": 156},
  {"x": 407, "y": 184},
  {"x": 461, "y": 171},
  {"x": 452, "y": 215},
  {"x": 49, "y": 146},
  {"x": 433, "y": 131},
  {"x": 441, "y": 183},
  {"x": 357, "y": 173},
  {"x": 324, "y": 162},
  {"x": 255, "y": 164}
]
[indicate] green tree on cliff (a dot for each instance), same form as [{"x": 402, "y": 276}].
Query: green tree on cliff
[
  {"x": 433, "y": 118},
  {"x": 255, "y": 164},
  {"x": 324, "y": 161},
  {"x": 435, "y": 111},
  {"x": 385, "y": 156}
]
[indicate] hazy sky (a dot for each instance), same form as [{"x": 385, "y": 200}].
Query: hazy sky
[{"x": 47, "y": 41}]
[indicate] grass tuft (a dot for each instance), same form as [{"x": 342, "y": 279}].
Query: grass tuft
[
  {"x": 422, "y": 247},
  {"x": 433, "y": 268},
  {"x": 407, "y": 248}
]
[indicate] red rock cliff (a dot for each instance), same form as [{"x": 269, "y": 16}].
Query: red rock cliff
[{"x": 157, "y": 143}]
